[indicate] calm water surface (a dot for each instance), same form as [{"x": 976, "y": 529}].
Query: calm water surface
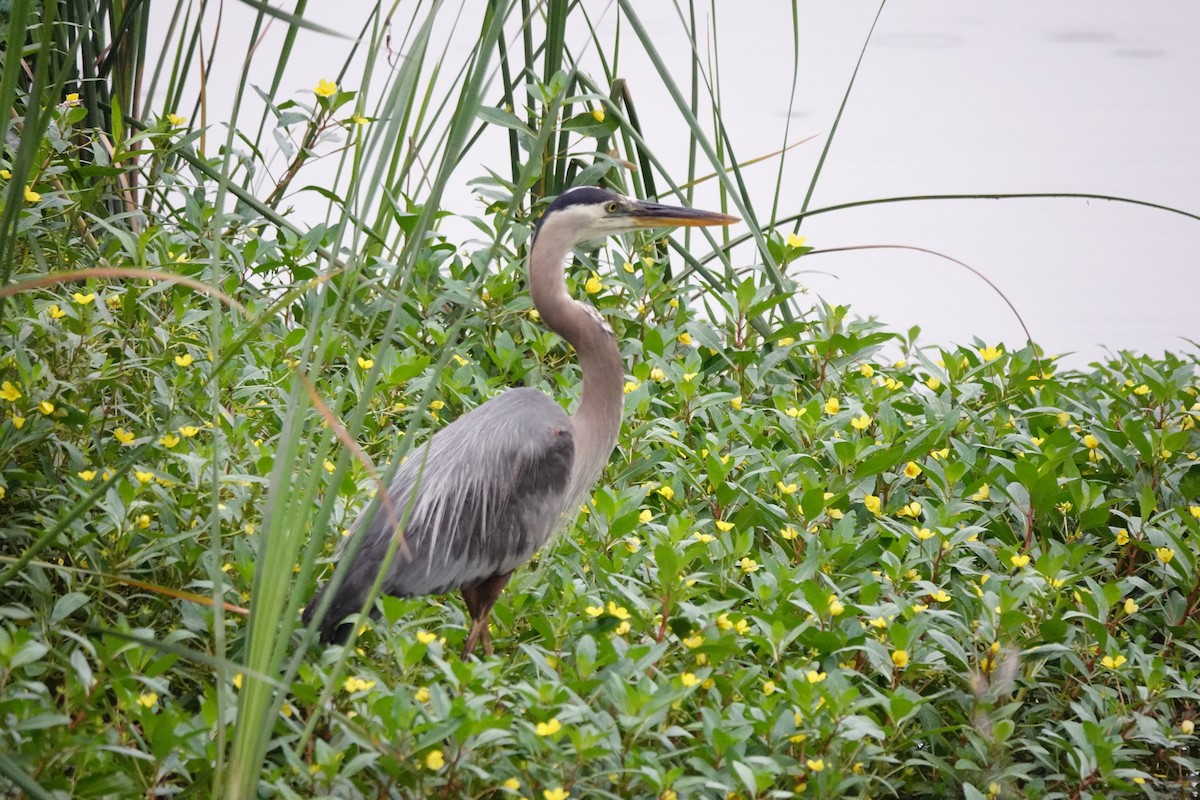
[{"x": 1015, "y": 96}]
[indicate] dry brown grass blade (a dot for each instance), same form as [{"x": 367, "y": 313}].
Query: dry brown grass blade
[
  {"x": 138, "y": 273},
  {"x": 178, "y": 594},
  {"x": 748, "y": 162},
  {"x": 346, "y": 439}
]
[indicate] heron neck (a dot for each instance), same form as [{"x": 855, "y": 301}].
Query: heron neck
[{"x": 597, "y": 420}]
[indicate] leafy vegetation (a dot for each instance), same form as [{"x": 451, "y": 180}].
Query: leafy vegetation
[{"x": 825, "y": 561}]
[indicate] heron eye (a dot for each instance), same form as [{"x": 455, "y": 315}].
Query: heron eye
[{"x": 612, "y": 207}]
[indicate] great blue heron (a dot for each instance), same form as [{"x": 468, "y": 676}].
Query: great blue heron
[{"x": 493, "y": 486}]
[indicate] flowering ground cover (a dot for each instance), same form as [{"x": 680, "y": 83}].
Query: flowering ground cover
[{"x": 826, "y": 560}]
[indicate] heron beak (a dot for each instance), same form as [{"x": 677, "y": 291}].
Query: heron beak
[{"x": 653, "y": 215}]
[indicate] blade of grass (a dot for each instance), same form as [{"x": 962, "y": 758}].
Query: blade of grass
[{"x": 812, "y": 184}]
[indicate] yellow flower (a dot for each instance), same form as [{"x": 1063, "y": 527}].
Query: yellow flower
[
  {"x": 788, "y": 533},
  {"x": 768, "y": 688},
  {"x": 1131, "y": 607},
  {"x": 749, "y": 565},
  {"x": 723, "y": 526},
  {"x": 989, "y": 353},
  {"x": 1142, "y": 390},
  {"x": 329, "y": 466},
  {"x": 46, "y": 407},
  {"x": 188, "y": 431},
  {"x": 31, "y": 196},
  {"x": 18, "y": 421},
  {"x": 666, "y": 492},
  {"x": 594, "y": 611},
  {"x": 983, "y": 494},
  {"x": 835, "y": 607},
  {"x": 923, "y": 533},
  {"x": 693, "y": 641},
  {"x": 184, "y": 360},
  {"x": 723, "y": 622},
  {"x": 1186, "y": 727},
  {"x": 548, "y": 728},
  {"x": 657, "y": 375},
  {"x": 795, "y": 241},
  {"x": 878, "y": 622},
  {"x": 704, "y": 538},
  {"x": 355, "y": 684},
  {"x": 934, "y": 383},
  {"x": 1062, "y": 418},
  {"x": 9, "y": 392},
  {"x": 143, "y": 477},
  {"x": 832, "y": 405},
  {"x": 365, "y": 363},
  {"x": 83, "y": 299},
  {"x": 5, "y": 174},
  {"x": 742, "y": 627},
  {"x": 866, "y": 370},
  {"x": 912, "y": 509},
  {"x": 425, "y": 637},
  {"x": 169, "y": 440},
  {"x": 786, "y": 341},
  {"x": 688, "y": 679},
  {"x": 87, "y": 474},
  {"x": 1091, "y": 442},
  {"x": 631, "y": 387},
  {"x": 1194, "y": 511},
  {"x": 900, "y": 658},
  {"x": 633, "y": 544},
  {"x": 941, "y": 596},
  {"x": 794, "y": 412},
  {"x": 1019, "y": 561},
  {"x": 645, "y": 516},
  {"x": 435, "y": 760},
  {"x": 861, "y": 423},
  {"x": 620, "y": 612},
  {"x": 815, "y": 764},
  {"x": 512, "y": 784},
  {"x": 557, "y": 793},
  {"x": 143, "y": 521},
  {"x": 325, "y": 88},
  {"x": 736, "y": 403},
  {"x": 1110, "y": 662},
  {"x": 786, "y": 488},
  {"x": 593, "y": 284},
  {"x": 148, "y": 699},
  {"x": 685, "y": 338},
  {"x": 598, "y": 114},
  {"x": 1165, "y": 554},
  {"x": 176, "y": 121},
  {"x": 873, "y": 503},
  {"x": 56, "y": 312},
  {"x": 422, "y": 694},
  {"x": 813, "y": 676},
  {"x": 912, "y": 470}
]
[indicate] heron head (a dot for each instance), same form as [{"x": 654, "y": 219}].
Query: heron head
[{"x": 590, "y": 213}]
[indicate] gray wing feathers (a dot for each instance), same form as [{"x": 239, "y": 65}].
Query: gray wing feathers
[{"x": 490, "y": 490}]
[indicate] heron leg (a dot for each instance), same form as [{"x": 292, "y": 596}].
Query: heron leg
[{"x": 480, "y": 598}]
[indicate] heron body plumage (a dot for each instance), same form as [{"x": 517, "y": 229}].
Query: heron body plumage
[
  {"x": 486, "y": 492},
  {"x": 489, "y": 493}
]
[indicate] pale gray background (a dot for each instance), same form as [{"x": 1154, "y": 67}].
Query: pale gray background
[{"x": 953, "y": 97}]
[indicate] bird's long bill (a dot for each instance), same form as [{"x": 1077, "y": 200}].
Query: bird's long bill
[{"x": 654, "y": 215}]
